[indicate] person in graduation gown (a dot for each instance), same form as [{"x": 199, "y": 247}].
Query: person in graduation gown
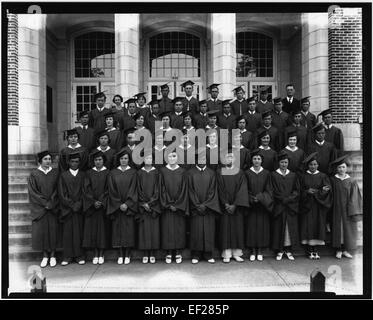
[
  {"x": 244, "y": 152},
  {"x": 128, "y": 120},
  {"x": 115, "y": 135},
  {"x": 103, "y": 140},
  {"x": 315, "y": 201},
  {"x": 142, "y": 107},
  {"x": 185, "y": 152},
  {"x": 249, "y": 140},
  {"x": 290, "y": 103},
  {"x": 165, "y": 103},
  {"x": 296, "y": 155},
  {"x": 308, "y": 120},
  {"x": 97, "y": 115},
  {"x": 204, "y": 207},
  {"x": 201, "y": 118},
  {"x": 123, "y": 205},
  {"x": 253, "y": 118},
  {"x": 272, "y": 131},
  {"x": 190, "y": 104},
  {"x": 95, "y": 194},
  {"x": 233, "y": 196},
  {"x": 332, "y": 133},
  {"x": 280, "y": 120},
  {"x": 86, "y": 134},
  {"x": 177, "y": 115},
  {"x": 188, "y": 122},
  {"x": 286, "y": 193},
  {"x": 149, "y": 209},
  {"x": 118, "y": 109},
  {"x": 257, "y": 217},
  {"x": 347, "y": 209},
  {"x": 239, "y": 105},
  {"x": 214, "y": 103},
  {"x": 212, "y": 122},
  {"x": 70, "y": 193},
  {"x": 302, "y": 131},
  {"x": 153, "y": 116},
  {"x": 173, "y": 188},
  {"x": 158, "y": 151},
  {"x": 263, "y": 105},
  {"x": 73, "y": 146},
  {"x": 226, "y": 119},
  {"x": 212, "y": 151},
  {"x": 326, "y": 150},
  {"x": 269, "y": 161},
  {"x": 43, "y": 198}
]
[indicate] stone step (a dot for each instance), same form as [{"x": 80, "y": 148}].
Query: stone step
[
  {"x": 18, "y": 179},
  {"x": 22, "y": 171},
  {"x": 15, "y": 196},
  {"x": 22, "y": 239},
  {"x": 31, "y": 164},
  {"x": 18, "y": 206},
  {"x": 17, "y": 187},
  {"x": 20, "y": 216},
  {"x": 20, "y": 226}
]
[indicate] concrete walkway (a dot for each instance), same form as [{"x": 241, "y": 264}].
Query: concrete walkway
[{"x": 343, "y": 276}]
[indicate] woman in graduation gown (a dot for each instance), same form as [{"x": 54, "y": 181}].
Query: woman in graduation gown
[
  {"x": 315, "y": 201},
  {"x": 257, "y": 221},
  {"x": 149, "y": 209},
  {"x": 295, "y": 154},
  {"x": 103, "y": 139},
  {"x": 174, "y": 202},
  {"x": 249, "y": 141},
  {"x": 115, "y": 135},
  {"x": 42, "y": 189},
  {"x": 122, "y": 205},
  {"x": 70, "y": 192},
  {"x": 158, "y": 151},
  {"x": 347, "y": 209},
  {"x": 212, "y": 150},
  {"x": 286, "y": 192},
  {"x": 269, "y": 155},
  {"x": 204, "y": 207},
  {"x": 94, "y": 207},
  {"x": 244, "y": 152},
  {"x": 232, "y": 188}
]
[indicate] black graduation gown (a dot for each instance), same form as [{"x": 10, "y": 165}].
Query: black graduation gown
[
  {"x": 63, "y": 161},
  {"x": 309, "y": 120},
  {"x": 144, "y": 111},
  {"x": 244, "y": 158},
  {"x": 122, "y": 189},
  {"x": 314, "y": 207},
  {"x": 149, "y": 226},
  {"x": 202, "y": 189},
  {"x": 159, "y": 154},
  {"x": 280, "y": 121},
  {"x": 177, "y": 122},
  {"x": 96, "y": 119},
  {"x": 286, "y": 192},
  {"x": 227, "y": 122},
  {"x": 257, "y": 220},
  {"x": 165, "y": 105},
  {"x": 186, "y": 157},
  {"x": 326, "y": 154},
  {"x": 335, "y": 136},
  {"x": 347, "y": 210},
  {"x": 270, "y": 159},
  {"x": 118, "y": 117},
  {"x": 215, "y": 105},
  {"x": 95, "y": 220},
  {"x": 87, "y": 137},
  {"x": 213, "y": 158},
  {"x": 127, "y": 123},
  {"x": 249, "y": 140},
  {"x": 290, "y": 107},
  {"x": 239, "y": 107},
  {"x": 110, "y": 158},
  {"x": 150, "y": 122},
  {"x": 295, "y": 160},
  {"x": 302, "y": 136},
  {"x": 200, "y": 121},
  {"x": 274, "y": 135},
  {"x": 191, "y": 105},
  {"x": 254, "y": 121},
  {"x": 232, "y": 190},
  {"x": 116, "y": 139},
  {"x": 173, "y": 190},
  {"x": 70, "y": 192},
  {"x": 263, "y": 107},
  {"x": 42, "y": 190}
]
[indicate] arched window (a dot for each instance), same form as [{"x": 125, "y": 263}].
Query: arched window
[
  {"x": 174, "y": 54},
  {"x": 94, "y": 55},
  {"x": 254, "y": 52}
]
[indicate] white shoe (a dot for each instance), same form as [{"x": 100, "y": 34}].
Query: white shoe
[
  {"x": 194, "y": 261},
  {"x": 279, "y": 256},
  {"x": 44, "y": 262},
  {"x": 95, "y": 260},
  {"x": 101, "y": 260},
  {"x": 168, "y": 259},
  {"x": 64, "y": 263},
  {"x": 52, "y": 262},
  {"x": 316, "y": 255},
  {"x": 347, "y": 254},
  {"x": 290, "y": 256},
  {"x": 81, "y": 262},
  {"x": 179, "y": 258},
  {"x": 145, "y": 259},
  {"x": 212, "y": 260},
  {"x": 226, "y": 260},
  {"x": 338, "y": 255},
  {"x": 259, "y": 257},
  {"x": 120, "y": 260},
  {"x": 152, "y": 259},
  {"x": 238, "y": 259},
  {"x": 252, "y": 257},
  {"x": 127, "y": 260}
]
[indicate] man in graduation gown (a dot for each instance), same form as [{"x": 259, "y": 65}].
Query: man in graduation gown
[
  {"x": 332, "y": 133},
  {"x": 308, "y": 119},
  {"x": 165, "y": 103},
  {"x": 289, "y": 103},
  {"x": 239, "y": 105},
  {"x": 302, "y": 132},
  {"x": 201, "y": 118},
  {"x": 272, "y": 131},
  {"x": 189, "y": 102},
  {"x": 253, "y": 118},
  {"x": 128, "y": 120},
  {"x": 204, "y": 206},
  {"x": 249, "y": 140},
  {"x": 280, "y": 121},
  {"x": 153, "y": 116},
  {"x": 214, "y": 103},
  {"x": 70, "y": 192},
  {"x": 97, "y": 115},
  {"x": 263, "y": 104},
  {"x": 115, "y": 135},
  {"x": 226, "y": 119},
  {"x": 177, "y": 116},
  {"x": 86, "y": 133}
]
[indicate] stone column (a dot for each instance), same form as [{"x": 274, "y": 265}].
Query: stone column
[
  {"x": 127, "y": 53},
  {"x": 223, "y": 49},
  {"x": 31, "y": 135},
  {"x": 315, "y": 60}
]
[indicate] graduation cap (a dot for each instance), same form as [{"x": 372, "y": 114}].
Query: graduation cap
[
  {"x": 295, "y": 112},
  {"x": 305, "y": 99},
  {"x": 238, "y": 89},
  {"x": 102, "y": 133},
  {"x": 164, "y": 86},
  {"x": 99, "y": 95},
  {"x": 70, "y": 132},
  {"x": 251, "y": 99},
  {"x": 109, "y": 114},
  {"x": 214, "y": 85},
  {"x": 340, "y": 160},
  {"x": 165, "y": 114},
  {"x": 130, "y": 100},
  {"x": 264, "y": 89},
  {"x": 292, "y": 132},
  {"x": 256, "y": 152},
  {"x": 309, "y": 158},
  {"x": 282, "y": 155},
  {"x": 263, "y": 133},
  {"x": 212, "y": 113},
  {"x": 83, "y": 113},
  {"x": 177, "y": 99},
  {"x": 318, "y": 127},
  {"x": 325, "y": 112},
  {"x": 226, "y": 101},
  {"x": 140, "y": 94},
  {"x": 266, "y": 114},
  {"x": 202, "y": 102},
  {"x": 187, "y": 83},
  {"x": 74, "y": 155},
  {"x": 277, "y": 100},
  {"x": 98, "y": 153},
  {"x": 42, "y": 154}
]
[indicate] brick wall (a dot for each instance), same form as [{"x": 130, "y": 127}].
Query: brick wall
[
  {"x": 13, "y": 70},
  {"x": 345, "y": 64}
]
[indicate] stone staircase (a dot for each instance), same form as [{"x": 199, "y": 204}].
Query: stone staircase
[{"x": 19, "y": 168}]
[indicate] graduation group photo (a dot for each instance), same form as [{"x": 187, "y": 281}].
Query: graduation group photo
[{"x": 185, "y": 152}]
